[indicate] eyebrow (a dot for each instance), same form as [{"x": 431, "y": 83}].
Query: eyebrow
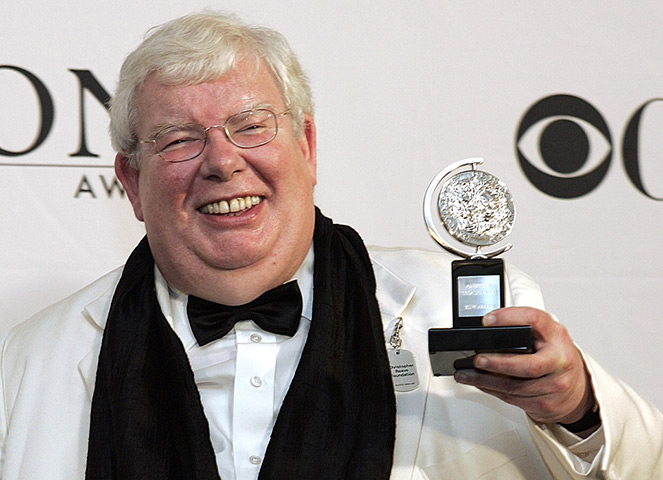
[{"x": 160, "y": 127}]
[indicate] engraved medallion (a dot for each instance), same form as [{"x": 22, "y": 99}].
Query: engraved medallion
[{"x": 474, "y": 207}]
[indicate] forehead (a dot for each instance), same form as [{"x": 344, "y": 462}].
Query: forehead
[{"x": 243, "y": 87}]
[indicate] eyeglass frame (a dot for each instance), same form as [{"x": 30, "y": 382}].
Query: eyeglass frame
[{"x": 224, "y": 128}]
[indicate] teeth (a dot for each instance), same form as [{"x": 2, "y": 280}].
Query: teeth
[{"x": 232, "y": 206}]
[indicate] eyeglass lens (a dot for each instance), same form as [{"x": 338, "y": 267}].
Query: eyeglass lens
[{"x": 246, "y": 129}]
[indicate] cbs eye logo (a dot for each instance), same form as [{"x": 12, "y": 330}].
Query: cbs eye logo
[{"x": 565, "y": 148}]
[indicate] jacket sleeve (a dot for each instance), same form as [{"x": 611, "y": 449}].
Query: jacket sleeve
[
  {"x": 630, "y": 442},
  {"x": 631, "y": 434}
]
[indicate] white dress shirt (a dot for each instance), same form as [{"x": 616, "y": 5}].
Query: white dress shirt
[{"x": 242, "y": 377}]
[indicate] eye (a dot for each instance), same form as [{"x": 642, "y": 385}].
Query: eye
[
  {"x": 251, "y": 123},
  {"x": 178, "y": 138},
  {"x": 250, "y": 128},
  {"x": 564, "y": 146}
]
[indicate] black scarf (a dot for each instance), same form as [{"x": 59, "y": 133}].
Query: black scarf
[{"x": 337, "y": 421}]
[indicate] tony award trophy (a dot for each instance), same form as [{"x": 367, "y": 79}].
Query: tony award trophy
[{"x": 476, "y": 209}]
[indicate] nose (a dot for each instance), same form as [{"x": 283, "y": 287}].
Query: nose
[{"x": 221, "y": 160}]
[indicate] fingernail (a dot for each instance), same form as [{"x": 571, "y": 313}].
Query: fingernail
[
  {"x": 480, "y": 362},
  {"x": 489, "y": 319},
  {"x": 460, "y": 377}
]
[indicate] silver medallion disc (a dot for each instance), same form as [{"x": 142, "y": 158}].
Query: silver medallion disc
[{"x": 476, "y": 208}]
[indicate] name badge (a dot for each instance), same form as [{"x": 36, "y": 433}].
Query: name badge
[{"x": 403, "y": 370}]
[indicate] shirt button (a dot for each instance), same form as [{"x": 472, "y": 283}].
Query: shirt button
[
  {"x": 256, "y": 338},
  {"x": 256, "y": 381},
  {"x": 255, "y": 460}
]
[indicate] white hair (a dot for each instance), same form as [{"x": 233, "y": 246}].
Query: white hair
[{"x": 198, "y": 48}]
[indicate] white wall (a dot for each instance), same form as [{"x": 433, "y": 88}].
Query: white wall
[{"x": 402, "y": 89}]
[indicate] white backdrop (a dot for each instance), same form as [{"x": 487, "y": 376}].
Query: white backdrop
[{"x": 402, "y": 89}]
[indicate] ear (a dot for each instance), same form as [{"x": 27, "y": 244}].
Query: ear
[
  {"x": 129, "y": 177},
  {"x": 307, "y": 144}
]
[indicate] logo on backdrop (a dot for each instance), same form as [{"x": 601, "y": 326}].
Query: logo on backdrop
[
  {"x": 91, "y": 186},
  {"x": 564, "y": 146}
]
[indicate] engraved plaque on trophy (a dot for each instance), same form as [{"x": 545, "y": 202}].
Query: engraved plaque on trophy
[{"x": 476, "y": 209}]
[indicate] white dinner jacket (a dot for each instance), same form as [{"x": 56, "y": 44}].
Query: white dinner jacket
[{"x": 444, "y": 430}]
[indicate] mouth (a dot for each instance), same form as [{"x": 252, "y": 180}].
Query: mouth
[{"x": 232, "y": 207}]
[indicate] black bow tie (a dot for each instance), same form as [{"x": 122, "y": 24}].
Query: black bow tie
[{"x": 278, "y": 311}]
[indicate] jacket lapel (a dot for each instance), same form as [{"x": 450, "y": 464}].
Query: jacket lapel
[
  {"x": 394, "y": 295},
  {"x": 97, "y": 313}
]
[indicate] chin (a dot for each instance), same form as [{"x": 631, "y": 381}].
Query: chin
[{"x": 234, "y": 260}]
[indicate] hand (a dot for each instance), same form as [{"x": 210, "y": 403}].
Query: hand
[{"x": 552, "y": 385}]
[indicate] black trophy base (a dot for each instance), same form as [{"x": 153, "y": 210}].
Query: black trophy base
[{"x": 452, "y": 349}]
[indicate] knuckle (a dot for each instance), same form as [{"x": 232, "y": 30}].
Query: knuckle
[
  {"x": 561, "y": 383},
  {"x": 538, "y": 367},
  {"x": 547, "y": 405}
]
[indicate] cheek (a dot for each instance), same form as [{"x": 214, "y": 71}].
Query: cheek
[
  {"x": 160, "y": 193},
  {"x": 300, "y": 171}
]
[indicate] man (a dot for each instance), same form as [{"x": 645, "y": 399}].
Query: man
[{"x": 136, "y": 376}]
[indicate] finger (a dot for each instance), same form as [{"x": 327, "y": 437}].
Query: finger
[
  {"x": 541, "y": 322},
  {"x": 545, "y": 330},
  {"x": 539, "y": 408},
  {"x": 516, "y": 386},
  {"x": 548, "y": 359},
  {"x": 501, "y": 385},
  {"x": 540, "y": 398}
]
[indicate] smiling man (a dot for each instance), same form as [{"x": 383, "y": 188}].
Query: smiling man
[
  {"x": 248, "y": 336},
  {"x": 250, "y": 249}
]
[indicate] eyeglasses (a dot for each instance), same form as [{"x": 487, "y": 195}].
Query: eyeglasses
[{"x": 249, "y": 129}]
